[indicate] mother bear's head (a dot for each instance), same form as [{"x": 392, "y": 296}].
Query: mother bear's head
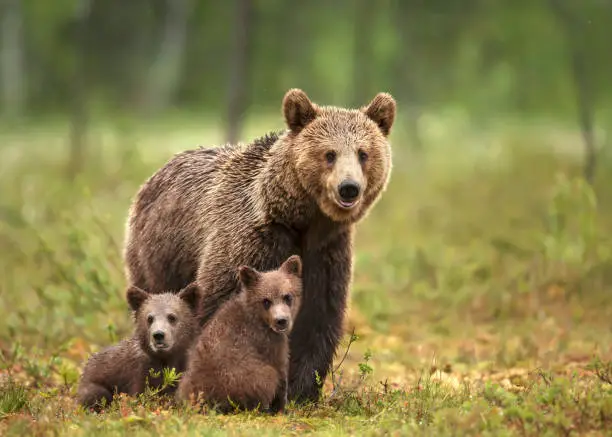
[{"x": 342, "y": 157}]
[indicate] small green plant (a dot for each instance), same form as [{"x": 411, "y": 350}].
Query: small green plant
[
  {"x": 9, "y": 359},
  {"x": 170, "y": 378},
  {"x": 364, "y": 367},
  {"x": 13, "y": 398},
  {"x": 336, "y": 372}
]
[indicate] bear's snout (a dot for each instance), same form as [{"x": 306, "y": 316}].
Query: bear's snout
[
  {"x": 281, "y": 323},
  {"x": 159, "y": 336},
  {"x": 349, "y": 191},
  {"x": 161, "y": 340},
  {"x": 280, "y": 318}
]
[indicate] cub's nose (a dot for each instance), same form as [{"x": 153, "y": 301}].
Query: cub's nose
[
  {"x": 281, "y": 323},
  {"x": 348, "y": 190},
  {"x": 158, "y": 336}
]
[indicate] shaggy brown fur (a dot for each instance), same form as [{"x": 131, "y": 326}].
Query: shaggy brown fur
[
  {"x": 165, "y": 326},
  {"x": 242, "y": 355},
  {"x": 207, "y": 211}
]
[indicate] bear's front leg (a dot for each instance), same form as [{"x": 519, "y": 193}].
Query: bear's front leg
[
  {"x": 280, "y": 398},
  {"x": 318, "y": 329},
  {"x": 92, "y": 396},
  {"x": 307, "y": 377}
]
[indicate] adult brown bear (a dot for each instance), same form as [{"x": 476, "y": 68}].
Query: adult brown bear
[{"x": 210, "y": 210}]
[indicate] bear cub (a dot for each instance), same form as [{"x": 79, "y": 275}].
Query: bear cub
[
  {"x": 242, "y": 355},
  {"x": 165, "y": 326}
]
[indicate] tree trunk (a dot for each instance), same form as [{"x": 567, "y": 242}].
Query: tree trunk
[
  {"x": 240, "y": 61},
  {"x": 586, "y": 114},
  {"x": 11, "y": 58},
  {"x": 79, "y": 115},
  {"x": 573, "y": 30},
  {"x": 165, "y": 72}
]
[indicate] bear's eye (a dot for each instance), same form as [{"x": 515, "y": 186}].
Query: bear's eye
[
  {"x": 288, "y": 299},
  {"x": 267, "y": 303},
  {"x": 150, "y": 319},
  {"x": 363, "y": 156},
  {"x": 330, "y": 157},
  {"x": 171, "y": 318}
]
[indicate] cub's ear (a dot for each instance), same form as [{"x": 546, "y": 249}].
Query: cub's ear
[
  {"x": 381, "y": 110},
  {"x": 298, "y": 110},
  {"x": 136, "y": 297},
  {"x": 191, "y": 295},
  {"x": 248, "y": 276},
  {"x": 293, "y": 266}
]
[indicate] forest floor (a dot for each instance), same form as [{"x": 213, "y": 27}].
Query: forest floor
[{"x": 480, "y": 302}]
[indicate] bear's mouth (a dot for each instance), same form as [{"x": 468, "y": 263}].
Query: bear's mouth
[
  {"x": 281, "y": 330},
  {"x": 160, "y": 346},
  {"x": 347, "y": 205}
]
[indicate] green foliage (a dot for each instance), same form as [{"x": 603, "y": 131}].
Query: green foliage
[
  {"x": 170, "y": 378},
  {"x": 511, "y": 56},
  {"x": 364, "y": 368},
  {"x": 13, "y": 398}
]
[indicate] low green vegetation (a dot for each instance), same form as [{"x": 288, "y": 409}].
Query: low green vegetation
[{"x": 480, "y": 303}]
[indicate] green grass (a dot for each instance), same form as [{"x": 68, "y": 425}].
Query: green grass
[
  {"x": 480, "y": 297},
  {"x": 13, "y": 398}
]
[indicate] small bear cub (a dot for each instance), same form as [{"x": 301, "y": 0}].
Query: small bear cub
[
  {"x": 165, "y": 327},
  {"x": 241, "y": 358}
]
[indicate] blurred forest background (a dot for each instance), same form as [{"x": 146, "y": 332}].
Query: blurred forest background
[
  {"x": 490, "y": 253},
  {"x": 545, "y": 58}
]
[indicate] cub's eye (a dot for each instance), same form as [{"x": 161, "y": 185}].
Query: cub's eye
[
  {"x": 330, "y": 157},
  {"x": 363, "y": 156},
  {"x": 267, "y": 303},
  {"x": 171, "y": 318},
  {"x": 288, "y": 299},
  {"x": 150, "y": 319}
]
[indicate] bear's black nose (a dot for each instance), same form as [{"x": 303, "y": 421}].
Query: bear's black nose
[
  {"x": 158, "y": 336},
  {"x": 281, "y": 323},
  {"x": 348, "y": 190}
]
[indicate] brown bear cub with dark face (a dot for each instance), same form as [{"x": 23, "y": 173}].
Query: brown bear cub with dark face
[
  {"x": 242, "y": 356},
  {"x": 165, "y": 327}
]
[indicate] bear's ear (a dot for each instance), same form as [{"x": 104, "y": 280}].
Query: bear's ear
[
  {"x": 191, "y": 295},
  {"x": 381, "y": 110},
  {"x": 293, "y": 266},
  {"x": 298, "y": 110},
  {"x": 135, "y": 297},
  {"x": 248, "y": 276}
]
